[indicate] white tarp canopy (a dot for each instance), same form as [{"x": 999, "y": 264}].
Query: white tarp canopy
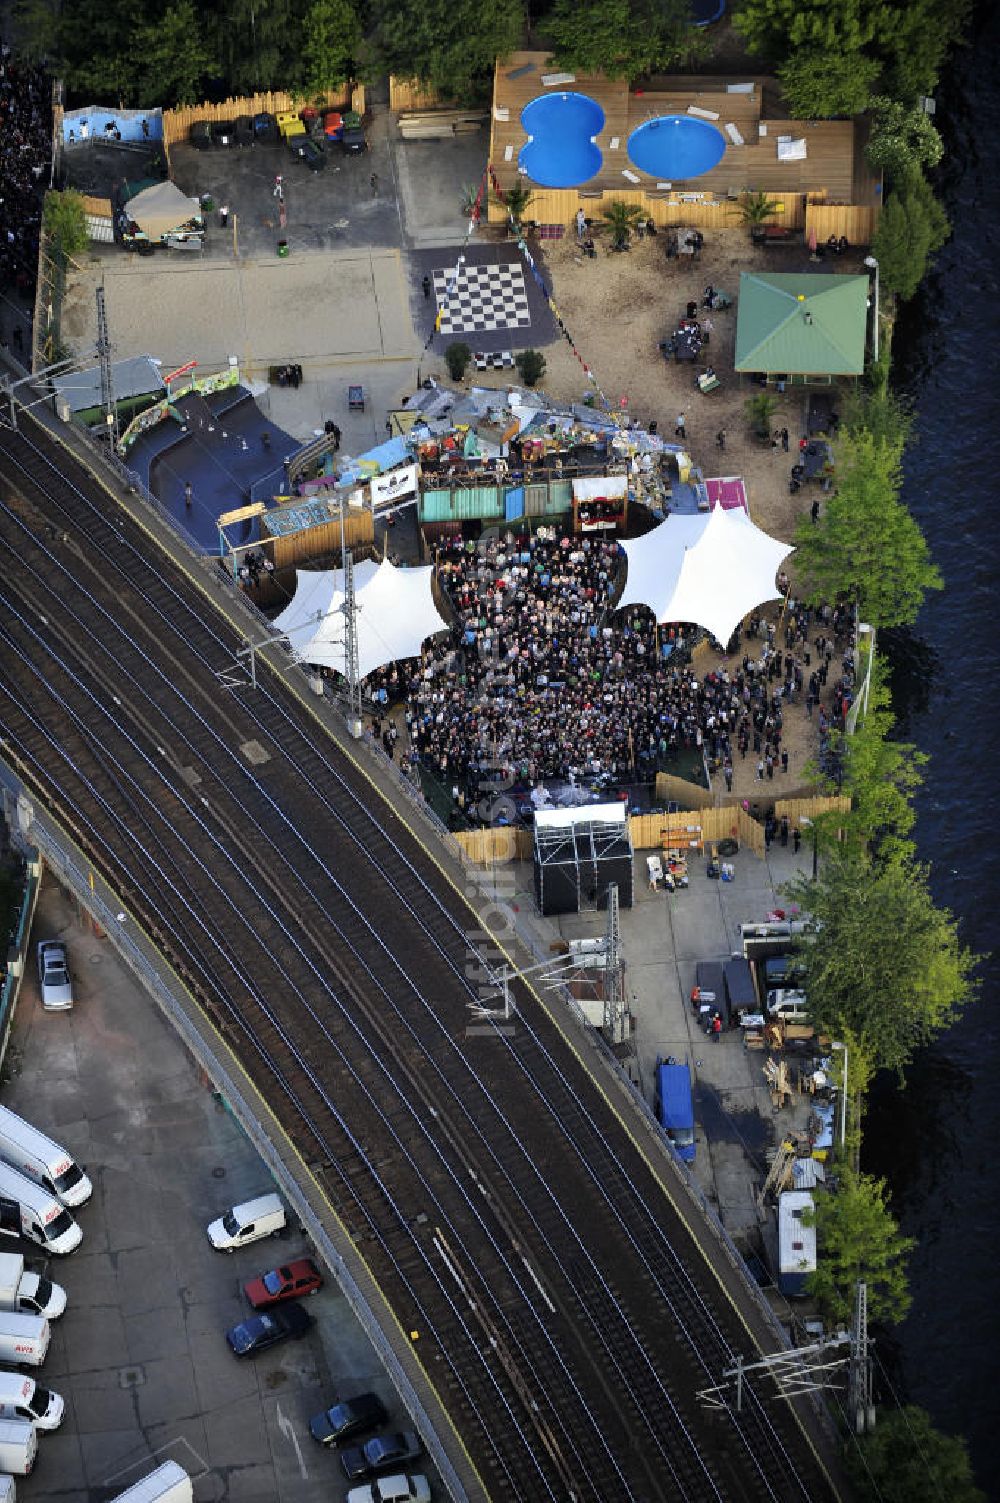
[
  {"x": 163, "y": 208},
  {"x": 396, "y": 611},
  {"x": 710, "y": 570}
]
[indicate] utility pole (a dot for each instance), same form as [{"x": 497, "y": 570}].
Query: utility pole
[
  {"x": 615, "y": 1012},
  {"x": 107, "y": 374},
  {"x": 350, "y": 609},
  {"x": 859, "y": 1379}
]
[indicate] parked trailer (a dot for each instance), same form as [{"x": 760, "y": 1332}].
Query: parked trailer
[
  {"x": 741, "y": 994},
  {"x": 35, "y": 1156},
  {"x": 796, "y": 1243},
  {"x": 27, "y": 1210},
  {"x": 170, "y": 1483},
  {"x": 29, "y": 1293},
  {"x": 18, "y": 1447}
]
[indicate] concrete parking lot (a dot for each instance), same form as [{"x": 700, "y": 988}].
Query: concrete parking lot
[{"x": 140, "y": 1355}]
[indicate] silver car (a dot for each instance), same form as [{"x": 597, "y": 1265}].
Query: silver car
[{"x": 54, "y": 980}]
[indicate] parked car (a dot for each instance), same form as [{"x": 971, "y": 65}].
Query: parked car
[
  {"x": 291, "y": 1281},
  {"x": 258, "y": 1332},
  {"x": 353, "y": 139},
  {"x": 223, "y": 133},
  {"x": 783, "y": 970},
  {"x": 348, "y": 1418},
  {"x": 305, "y": 149},
  {"x": 380, "y": 1454},
  {"x": 200, "y": 135},
  {"x": 395, "y": 1489},
  {"x": 54, "y": 980}
]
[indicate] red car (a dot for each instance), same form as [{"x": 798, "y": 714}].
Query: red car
[{"x": 289, "y": 1282}]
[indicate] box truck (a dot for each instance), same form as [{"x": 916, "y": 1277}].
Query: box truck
[
  {"x": 18, "y": 1447},
  {"x": 24, "y": 1339},
  {"x": 675, "y": 1106},
  {"x": 170, "y": 1483},
  {"x": 21, "y": 1398},
  {"x": 26, "y": 1210},
  {"x": 30, "y": 1293},
  {"x": 34, "y": 1155}
]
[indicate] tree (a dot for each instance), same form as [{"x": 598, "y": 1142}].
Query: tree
[
  {"x": 857, "y": 1239},
  {"x": 623, "y": 38},
  {"x": 880, "y": 775},
  {"x": 820, "y": 84},
  {"x": 255, "y": 46},
  {"x": 866, "y": 547},
  {"x": 885, "y": 967},
  {"x": 330, "y": 43},
  {"x": 36, "y": 30},
  {"x": 755, "y": 208},
  {"x": 65, "y": 221},
  {"x": 916, "y": 41},
  {"x": 530, "y": 366},
  {"x": 456, "y": 358},
  {"x": 450, "y": 44},
  {"x": 906, "y": 1460},
  {"x": 911, "y": 228},
  {"x": 780, "y": 28},
  {"x": 517, "y": 200},
  {"x": 169, "y": 59},
  {"x": 621, "y": 219},
  {"x": 759, "y": 410},
  {"x": 902, "y": 138}
]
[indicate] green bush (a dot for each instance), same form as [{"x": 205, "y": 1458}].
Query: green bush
[
  {"x": 530, "y": 366},
  {"x": 456, "y": 358}
]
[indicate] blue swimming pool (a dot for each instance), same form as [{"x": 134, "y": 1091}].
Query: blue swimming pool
[
  {"x": 674, "y": 148},
  {"x": 561, "y": 151}
]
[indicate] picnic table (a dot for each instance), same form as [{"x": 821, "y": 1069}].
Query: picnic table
[{"x": 816, "y": 459}]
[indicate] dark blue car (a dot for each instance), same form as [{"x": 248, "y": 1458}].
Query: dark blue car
[{"x": 258, "y": 1332}]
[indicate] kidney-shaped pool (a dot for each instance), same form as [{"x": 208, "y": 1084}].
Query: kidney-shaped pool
[{"x": 561, "y": 151}]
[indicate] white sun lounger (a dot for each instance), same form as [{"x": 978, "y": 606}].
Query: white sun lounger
[{"x": 732, "y": 131}]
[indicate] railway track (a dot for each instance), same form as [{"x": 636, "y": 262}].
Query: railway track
[{"x": 565, "y": 1312}]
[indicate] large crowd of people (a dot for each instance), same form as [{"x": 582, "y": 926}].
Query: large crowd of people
[
  {"x": 542, "y": 681},
  {"x": 25, "y": 151}
]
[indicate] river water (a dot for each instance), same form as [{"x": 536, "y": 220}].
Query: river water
[{"x": 938, "y": 1142}]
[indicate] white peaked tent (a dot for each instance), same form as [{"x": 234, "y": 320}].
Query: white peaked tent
[
  {"x": 711, "y": 570},
  {"x": 396, "y": 611}
]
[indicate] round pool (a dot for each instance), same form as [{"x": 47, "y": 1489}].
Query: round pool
[
  {"x": 676, "y": 147},
  {"x": 561, "y": 151}
]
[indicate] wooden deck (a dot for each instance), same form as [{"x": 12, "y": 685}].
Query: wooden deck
[{"x": 833, "y": 172}]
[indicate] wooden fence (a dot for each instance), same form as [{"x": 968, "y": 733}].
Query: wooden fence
[
  {"x": 856, "y": 222},
  {"x": 495, "y": 847},
  {"x": 559, "y": 206},
  {"x": 698, "y": 827},
  {"x": 411, "y": 94},
  {"x": 670, "y": 789},
  {"x": 177, "y": 123}
]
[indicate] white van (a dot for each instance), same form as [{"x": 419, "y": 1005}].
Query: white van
[
  {"x": 18, "y": 1447},
  {"x": 8, "y": 1490},
  {"x": 170, "y": 1483},
  {"x": 790, "y": 1006},
  {"x": 24, "y": 1339},
  {"x": 263, "y": 1217},
  {"x": 21, "y": 1398},
  {"x": 27, "y": 1210},
  {"x": 34, "y": 1155}
]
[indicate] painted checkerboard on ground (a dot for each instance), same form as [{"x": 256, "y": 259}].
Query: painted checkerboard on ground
[{"x": 484, "y": 297}]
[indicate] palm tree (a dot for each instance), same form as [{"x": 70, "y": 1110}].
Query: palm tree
[
  {"x": 754, "y": 207},
  {"x": 621, "y": 219},
  {"x": 517, "y": 199}
]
